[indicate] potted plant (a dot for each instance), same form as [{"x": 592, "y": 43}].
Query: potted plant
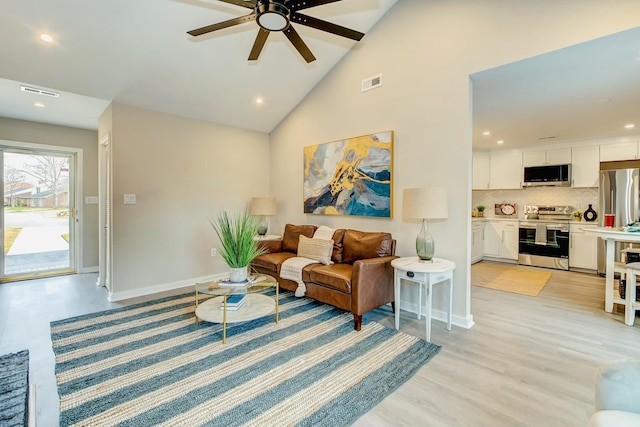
[
  {"x": 237, "y": 245},
  {"x": 577, "y": 216},
  {"x": 480, "y": 210}
]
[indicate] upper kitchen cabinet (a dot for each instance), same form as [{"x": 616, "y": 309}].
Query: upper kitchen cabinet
[
  {"x": 619, "y": 151},
  {"x": 585, "y": 166},
  {"x": 506, "y": 170},
  {"x": 481, "y": 168},
  {"x": 558, "y": 156}
]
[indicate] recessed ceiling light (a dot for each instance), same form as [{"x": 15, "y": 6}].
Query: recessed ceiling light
[
  {"x": 629, "y": 126},
  {"x": 46, "y": 37},
  {"x": 603, "y": 100},
  {"x": 500, "y": 142},
  {"x": 39, "y": 104},
  {"x": 259, "y": 100},
  {"x": 486, "y": 132}
]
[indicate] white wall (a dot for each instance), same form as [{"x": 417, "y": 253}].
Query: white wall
[
  {"x": 426, "y": 51},
  {"x": 62, "y": 136},
  {"x": 182, "y": 172}
]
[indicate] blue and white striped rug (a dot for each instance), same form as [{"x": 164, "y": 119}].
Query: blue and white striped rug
[{"x": 150, "y": 364}]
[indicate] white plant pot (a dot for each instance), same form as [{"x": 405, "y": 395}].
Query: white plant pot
[{"x": 238, "y": 275}]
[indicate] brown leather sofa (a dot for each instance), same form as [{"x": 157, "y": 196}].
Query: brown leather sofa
[{"x": 359, "y": 280}]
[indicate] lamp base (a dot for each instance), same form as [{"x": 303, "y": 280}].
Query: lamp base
[
  {"x": 263, "y": 226},
  {"x": 425, "y": 246}
]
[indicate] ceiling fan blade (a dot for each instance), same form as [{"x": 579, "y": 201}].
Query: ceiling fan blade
[
  {"x": 220, "y": 25},
  {"x": 297, "y": 42},
  {"x": 249, "y": 4},
  {"x": 261, "y": 38},
  {"x": 329, "y": 27},
  {"x": 306, "y": 4}
]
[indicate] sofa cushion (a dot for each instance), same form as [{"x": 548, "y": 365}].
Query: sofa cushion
[
  {"x": 336, "y": 276},
  {"x": 364, "y": 245},
  {"x": 315, "y": 249},
  {"x": 272, "y": 262},
  {"x": 290, "y": 237},
  {"x": 338, "y": 245}
]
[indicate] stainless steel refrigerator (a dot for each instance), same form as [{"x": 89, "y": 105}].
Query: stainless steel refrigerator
[{"x": 619, "y": 195}]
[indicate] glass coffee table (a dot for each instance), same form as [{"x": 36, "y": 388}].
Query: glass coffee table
[{"x": 256, "y": 304}]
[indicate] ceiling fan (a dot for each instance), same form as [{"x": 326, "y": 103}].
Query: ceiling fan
[{"x": 278, "y": 15}]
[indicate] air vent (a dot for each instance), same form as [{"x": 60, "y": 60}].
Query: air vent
[
  {"x": 37, "y": 91},
  {"x": 547, "y": 138},
  {"x": 372, "y": 83}
]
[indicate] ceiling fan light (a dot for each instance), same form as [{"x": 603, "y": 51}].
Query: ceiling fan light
[
  {"x": 272, "y": 16},
  {"x": 273, "y": 21}
]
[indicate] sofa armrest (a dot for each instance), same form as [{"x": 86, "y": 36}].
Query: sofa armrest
[
  {"x": 371, "y": 284},
  {"x": 272, "y": 246},
  {"x": 618, "y": 387}
]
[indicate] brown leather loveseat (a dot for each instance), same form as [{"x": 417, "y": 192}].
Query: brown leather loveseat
[{"x": 359, "y": 280}]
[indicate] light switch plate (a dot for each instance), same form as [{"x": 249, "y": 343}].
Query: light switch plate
[
  {"x": 129, "y": 199},
  {"x": 91, "y": 200}
]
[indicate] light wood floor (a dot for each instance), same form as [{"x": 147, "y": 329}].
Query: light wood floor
[{"x": 528, "y": 361}]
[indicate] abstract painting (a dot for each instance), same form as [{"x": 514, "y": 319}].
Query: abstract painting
[{"x": 350, "y": 177}]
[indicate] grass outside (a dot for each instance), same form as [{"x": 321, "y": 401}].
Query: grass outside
[{"x": 10, "y": 235}]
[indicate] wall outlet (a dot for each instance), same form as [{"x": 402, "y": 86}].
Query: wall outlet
[{"x": 214, "y": 252}]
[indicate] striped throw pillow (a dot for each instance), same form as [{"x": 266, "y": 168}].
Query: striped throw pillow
[{"x": 316, "y": 249}]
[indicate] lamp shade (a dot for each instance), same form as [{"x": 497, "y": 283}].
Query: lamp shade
[
  {"x": 263, "y": 206},
  {"x": 424, "y": 203}
]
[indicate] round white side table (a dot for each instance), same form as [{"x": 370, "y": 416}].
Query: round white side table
[{"x": 426, "y": 274}]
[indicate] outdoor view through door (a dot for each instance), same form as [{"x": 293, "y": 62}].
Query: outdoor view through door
[{"x": 37, "y": 213}]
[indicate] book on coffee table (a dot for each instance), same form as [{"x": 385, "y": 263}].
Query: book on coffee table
[{"x": 234, "y": 302}]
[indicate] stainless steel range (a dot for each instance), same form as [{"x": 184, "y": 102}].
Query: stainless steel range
[{"x": 544, "y": 237}]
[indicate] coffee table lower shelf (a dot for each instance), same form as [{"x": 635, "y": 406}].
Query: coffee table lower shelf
[{"x": 255, "y": 307}]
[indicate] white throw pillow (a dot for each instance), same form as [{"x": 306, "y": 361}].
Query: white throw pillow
[
  {"x": 316, "y": 249},
  {"x": 324, "y": 232}
]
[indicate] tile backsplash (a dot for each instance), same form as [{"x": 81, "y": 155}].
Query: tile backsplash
[{"x": 579, "y": 198}]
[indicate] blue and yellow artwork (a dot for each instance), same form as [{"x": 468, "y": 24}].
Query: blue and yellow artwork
[{"x": 350, "y": 177}]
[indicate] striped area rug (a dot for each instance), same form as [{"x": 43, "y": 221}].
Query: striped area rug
[{"x": 150, "y": 364}]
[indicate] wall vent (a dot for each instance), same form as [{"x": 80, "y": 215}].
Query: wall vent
[
  {"x": 37, "y": 91},
  {"x": 372, "y": 82}
]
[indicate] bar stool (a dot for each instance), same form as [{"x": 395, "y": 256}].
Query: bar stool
[{"x": 630, "y": 304}]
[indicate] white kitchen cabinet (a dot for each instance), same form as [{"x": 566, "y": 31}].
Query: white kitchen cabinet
[
  {"x": 558, "y": 156},
  {"x": 501, "y": 239},
  {"x": 477, "y": 241},
  {"x": 583, "y": 247},
  {"x": 481, "y": 170},
  {"x": 509, "y": 240},
  {"x": 585, "y": 166},
  {"x": 619, "y": 151},
  {"x": 506, "y": 170}
]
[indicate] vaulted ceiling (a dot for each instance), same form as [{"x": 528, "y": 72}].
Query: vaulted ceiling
[{"x": 139, "y": 53}]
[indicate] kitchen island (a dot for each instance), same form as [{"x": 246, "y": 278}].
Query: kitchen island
[{"x": 611, "y": 236}]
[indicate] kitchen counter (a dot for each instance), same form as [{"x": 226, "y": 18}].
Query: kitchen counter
[{"x": 495, "y": 218}]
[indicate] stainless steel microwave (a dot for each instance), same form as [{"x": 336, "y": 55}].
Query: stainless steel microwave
[{"x": 547, "y": 176}]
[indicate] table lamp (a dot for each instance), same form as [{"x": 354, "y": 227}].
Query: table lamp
[
  {"x": 263, "y": 207},
  {"x": 424, "y": 204}
]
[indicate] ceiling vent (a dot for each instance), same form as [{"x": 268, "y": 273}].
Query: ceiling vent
[
  {"x": 372, "y": 83},
  {"x": 37, "y": 91},
  {"x": 547, "y": 138}
]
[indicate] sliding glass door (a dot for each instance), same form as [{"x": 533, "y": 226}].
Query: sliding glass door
[{"x": 38, "y": 214}]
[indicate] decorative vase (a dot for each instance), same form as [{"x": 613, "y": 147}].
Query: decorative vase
[
  {"x": 238, "y": 275},
  {"x": 590, "y": 215},
  {"x": 480, "y": 213}
]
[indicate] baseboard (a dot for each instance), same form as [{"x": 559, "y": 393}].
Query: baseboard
[
  {"x": 164, "y": 287},
  {"x": 89, "y": 270},
  {"x": 460, "y": 321}
]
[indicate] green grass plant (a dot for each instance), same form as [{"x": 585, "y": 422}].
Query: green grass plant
[{"x": 236, "y": 233}]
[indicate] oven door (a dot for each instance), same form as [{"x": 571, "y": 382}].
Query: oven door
[{"x": 547, "y": 240}]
